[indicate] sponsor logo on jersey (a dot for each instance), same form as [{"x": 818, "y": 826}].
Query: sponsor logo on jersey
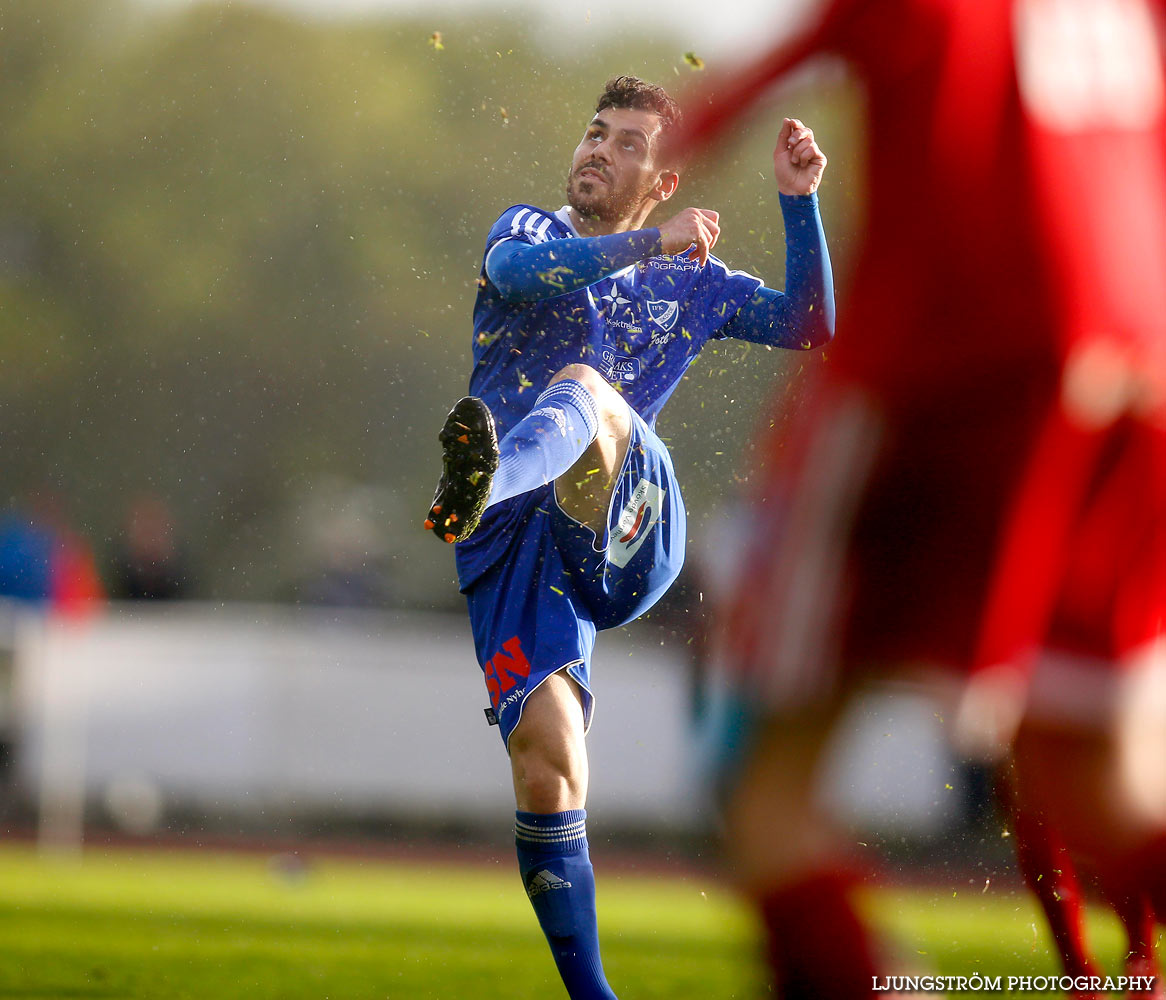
[
  {"x": 611, "y": 303},
  {"x": 618, "y": 367},
  {"x": 614, "y": 299},
  {"x": 636, "y": 521},
  {"x": 623, "y": 324},
  {"x": 675, "y": 264}
]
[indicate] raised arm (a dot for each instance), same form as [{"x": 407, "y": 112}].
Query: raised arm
[{"x": 801, "y": 317}]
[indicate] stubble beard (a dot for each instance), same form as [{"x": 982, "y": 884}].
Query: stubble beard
[
  {"x": 583, "y": 197},
  {"x": 608, "y": 207}
]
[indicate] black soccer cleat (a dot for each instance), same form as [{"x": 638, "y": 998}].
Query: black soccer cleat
[{"x": 469, "y": 456}]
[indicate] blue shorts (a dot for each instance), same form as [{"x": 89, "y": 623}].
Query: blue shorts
[{"x": 536, "y": 610}]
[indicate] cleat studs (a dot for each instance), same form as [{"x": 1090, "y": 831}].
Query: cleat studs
[{"x": 469, "y": 458}]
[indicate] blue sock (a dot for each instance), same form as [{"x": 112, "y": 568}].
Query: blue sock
[
  {"x": 556, "y": 870},
  {"x": 547, "y": 441}
]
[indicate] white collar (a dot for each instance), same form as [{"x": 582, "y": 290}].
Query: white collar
[{"x": 564, "y": 216}]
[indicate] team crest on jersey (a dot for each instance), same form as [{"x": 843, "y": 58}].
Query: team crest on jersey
[
  {"x": 663, "y": 312},
  {"x": 636, "y": 521}
]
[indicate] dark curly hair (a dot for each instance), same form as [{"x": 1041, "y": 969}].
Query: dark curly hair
[{"x": 632, "y": 92}]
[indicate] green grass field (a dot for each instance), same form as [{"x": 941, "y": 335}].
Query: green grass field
[{"x": 189, "y": 924}]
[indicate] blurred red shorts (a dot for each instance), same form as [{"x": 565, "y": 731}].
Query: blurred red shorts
[
  {"x": 870, "y": 543},
  {"x": 883, "y": 539},
  {"x": 1099, "y": 566}
]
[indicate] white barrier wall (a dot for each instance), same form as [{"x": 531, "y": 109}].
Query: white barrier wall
[
  {"x": 268, "y": 710},
  {"x": 253, "y": 708}
]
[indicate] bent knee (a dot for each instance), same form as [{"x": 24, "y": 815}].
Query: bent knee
[
  {"x": 611, "y": 407},
  {"x": 591, "y": 379}
]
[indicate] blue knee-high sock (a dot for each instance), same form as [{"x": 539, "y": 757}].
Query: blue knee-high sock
[
  {"x": 556, "y": 870},
  {"x": 547, "y": 441}
]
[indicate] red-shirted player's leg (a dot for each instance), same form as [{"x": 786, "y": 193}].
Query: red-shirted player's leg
[
  {"x": 1132, "y": 906},
  {"x": 1146, "y": 867},
  {"x": 1096, "y": 574},
  {"x": 777, "y": 639},
  {"x": 1049, "y": 873},
  {"x": 1135, "y": 886},
  {"x": 783, "y": 858}
]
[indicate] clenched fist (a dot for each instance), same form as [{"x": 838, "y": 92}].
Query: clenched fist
[
  {"x": 798, "y": 162},
  {"x": 695, "y": 230}
]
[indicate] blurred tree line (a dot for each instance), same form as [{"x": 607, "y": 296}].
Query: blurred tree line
[{"x": 238, "y": 254}]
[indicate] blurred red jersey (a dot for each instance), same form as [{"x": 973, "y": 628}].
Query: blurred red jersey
[
  {"x": 1016, "y": 189},
  {"x": 1012, "y": 277}
]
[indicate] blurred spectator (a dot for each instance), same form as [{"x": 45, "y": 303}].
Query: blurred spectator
[
  {"x": 26, "y": 556},
  {"x": 347, "y": 548},
  {"x": 149, "y": 563},
  {"x": 43, "y": 561},
  {"x": 46, "y": 565}
]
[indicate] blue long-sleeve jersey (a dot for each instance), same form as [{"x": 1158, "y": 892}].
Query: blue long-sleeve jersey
[
  {"x": 548, "y": 298},
  {"x": 620, "y": 305}
]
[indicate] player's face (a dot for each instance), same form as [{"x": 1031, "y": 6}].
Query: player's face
[{"x": 614, "y": 169}]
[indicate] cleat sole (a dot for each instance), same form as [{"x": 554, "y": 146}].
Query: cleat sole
[{"x": 469, "y": 458}]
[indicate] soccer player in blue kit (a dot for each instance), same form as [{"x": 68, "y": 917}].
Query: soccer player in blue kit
[{"x": 561, "y": 497}]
